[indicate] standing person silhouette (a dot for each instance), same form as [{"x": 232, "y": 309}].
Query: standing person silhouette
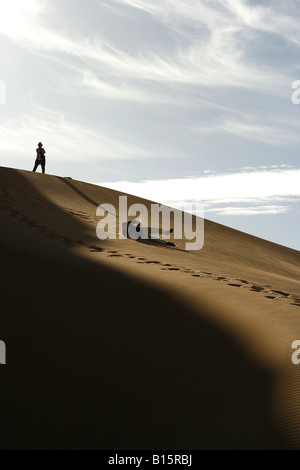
[{"x": 40, "y": 157}]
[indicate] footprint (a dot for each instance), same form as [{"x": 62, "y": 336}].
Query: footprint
[
  {"x": 115, "y": 256},
  {"x": 256, "y": 288},
  {"x": 95, "y": 249},
  {"x": 221, "y": 278},
  {"x": 295, "y": 298},
  {"x": 142, "y": 259},
  {"x": 234, "y": 285},
  {"x": 152, "y": 262},
  {"x": 112, "y": 252},
  {"x": 196, "y": 275},
  {"x": 293, "y": 303},
  {"x": 173, "y": 269},
  {"x": 270, "y": 297},
  {"x": 207, "y": 273},
  {"x": 243, "y": 281},
  {"x": 280, "y": 292}
]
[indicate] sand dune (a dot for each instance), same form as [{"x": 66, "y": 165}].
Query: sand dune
[{"x": 119, "y": 344}]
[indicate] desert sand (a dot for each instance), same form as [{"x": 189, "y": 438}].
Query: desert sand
[{"x": 119, "y": 344}]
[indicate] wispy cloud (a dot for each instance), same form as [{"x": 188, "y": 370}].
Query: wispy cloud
[
  {"x": 117, "y": 92},
  {"x": 272, "y": 17},
  {"x": 64, "y": 138},
  {"x": 259, "y": 191},
  {"x": 269, "y": 129},
  {"x": 86, "y": 82},
  {"x": 213, "y": 54}
]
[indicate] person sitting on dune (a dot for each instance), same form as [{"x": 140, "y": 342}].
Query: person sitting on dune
[
  {"x": 145, "y": 233},
  {"x": 40, "y": 157}
]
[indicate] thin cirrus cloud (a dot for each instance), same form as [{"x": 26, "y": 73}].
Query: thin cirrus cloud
[
  {"x": 212, "y": 57},
  {"x": 116, "y": 92},
  {"x": 87, "y": 83},
  {"x": 120, "y": 91},
  {"x": 66, "y": 139},
  {"x": 269, "y": 131},
  {"x": 244, "y": 192},
  {"x": 270, "y": 17},
  {"x": 213, "y": 54},
  {"x": 217, "y": 58}
]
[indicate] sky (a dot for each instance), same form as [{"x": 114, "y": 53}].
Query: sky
[{"x": 181, "y": 102}]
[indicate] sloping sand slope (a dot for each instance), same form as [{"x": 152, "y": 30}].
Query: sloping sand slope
[{"x": 119, "y": 344}]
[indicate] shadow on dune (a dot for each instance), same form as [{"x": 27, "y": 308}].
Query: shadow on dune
[
  {"x": 22, "y": 202},
  {"x": 97, "y": 360},
  {"x": 80, "y": 193}
]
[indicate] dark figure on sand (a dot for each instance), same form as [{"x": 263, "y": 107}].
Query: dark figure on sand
[
  {"x": 146, "y": 233},
  {"x": 40, "y": 157}
]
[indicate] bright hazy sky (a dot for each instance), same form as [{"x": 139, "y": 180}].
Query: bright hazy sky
[{"x": 179, "y": 101}]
